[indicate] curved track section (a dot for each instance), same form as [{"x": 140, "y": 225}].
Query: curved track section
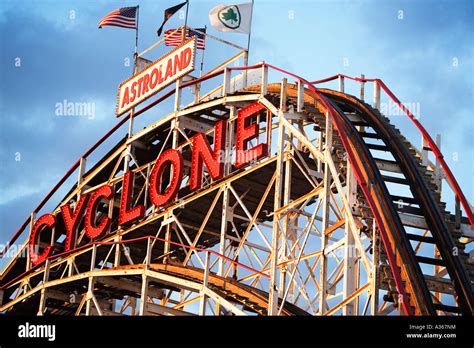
[
  {"x": 424, "y": 200},
  {"x": 363, "y": 127},
  {"x": 339, "y": 212},
  {"x": 115, "y": 284}
]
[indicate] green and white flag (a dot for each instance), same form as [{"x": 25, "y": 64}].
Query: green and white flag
[{"x": 232, "y": 18}]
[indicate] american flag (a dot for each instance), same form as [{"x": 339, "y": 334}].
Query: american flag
[
  {"x": 124, "y": 17},
  {"x": 175, "y": 39}
]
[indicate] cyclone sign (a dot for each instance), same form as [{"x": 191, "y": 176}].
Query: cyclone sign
[
  {"x": 88, "y": 206},
  {"x": 156, "y": 76}
]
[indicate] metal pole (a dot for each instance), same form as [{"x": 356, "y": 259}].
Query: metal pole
[
  {"x": 135, "y": 58},
  {"x": 273, "y": 290},
  {"x": 250, "y": 33},
  {"x": 246, "y": 57},
  {"x": 323, "y": 281},
  {"x": 132, "y": 111},
  {"x": 349, "y": 243},
  {"x": 202, "y": 56},
  {"x": 376, "y": 95},
  {"x": 362, "y": 92},
  {"x": 375, "y": 269},
  {"x": 136, "y": 42},
  {"x": 185, "y": 23},
  {"x": 341, "y": 84},
  {"x": 198, "y": 86}
]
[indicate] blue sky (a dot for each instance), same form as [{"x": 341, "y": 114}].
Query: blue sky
[{"x": 423, "y": 50}]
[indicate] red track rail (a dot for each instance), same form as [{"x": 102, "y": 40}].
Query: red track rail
[
  {"x": 426, "y": 136},
  {"x": 384, "y": 234}
]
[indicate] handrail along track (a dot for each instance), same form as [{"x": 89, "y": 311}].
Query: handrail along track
[{"x": 408, "y": 277}]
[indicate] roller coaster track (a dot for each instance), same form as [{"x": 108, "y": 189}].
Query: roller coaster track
[
  {"x": 421, "y": 184},
  {"x": 396, "y": 198}
]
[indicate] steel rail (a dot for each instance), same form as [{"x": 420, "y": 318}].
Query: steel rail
[
  {"x": 433, "y": 216},
  {"x": 339, "y": 127},
  {"x": 365, "y": 186},
  {"x": 424, "y": 133},
  {"x": 394, "y": 227},
  {"x": 126, "y": 241}
]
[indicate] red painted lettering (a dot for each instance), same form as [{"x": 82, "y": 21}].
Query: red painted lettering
[
  {"x": 72, "y": 219},
  {"x": 202, "y": 153},
  {"x": 45, "y": 221},
  {"x": 127, "y": 214},
  {"x": 94, "y": 230},
  {"x": 245, "y": 132},
  {"x": 173, "y": 158}
]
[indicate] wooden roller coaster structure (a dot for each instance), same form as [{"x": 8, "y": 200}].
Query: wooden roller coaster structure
[{"x": 342, "y": 216}]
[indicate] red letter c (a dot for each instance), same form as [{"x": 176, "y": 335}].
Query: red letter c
[
  {"x": 93, "y": 230},
  {"x": 47, "y": 220}
]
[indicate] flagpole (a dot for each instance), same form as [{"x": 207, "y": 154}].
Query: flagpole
[
  {"x": 185, "y": 23},
  {"x": 135, "y": 59},
  {"x": 250, "y": 32},
  {"x": 246, "y": 56},
  {"x": 203, "y": 50},
  {"x": 135, "y": 55}
]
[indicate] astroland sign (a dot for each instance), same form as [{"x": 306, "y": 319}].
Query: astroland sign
[{"x": 157, "y": 76}]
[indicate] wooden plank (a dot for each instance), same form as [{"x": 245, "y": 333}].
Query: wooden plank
[
  {"x": 153, "y": 308},
  {"x": 335, "y": 226}
]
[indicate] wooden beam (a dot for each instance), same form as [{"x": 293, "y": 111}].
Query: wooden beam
[{"x": 153, "y": 308}]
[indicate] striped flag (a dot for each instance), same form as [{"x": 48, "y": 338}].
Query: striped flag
[
  {"x": 125, "y": 17},
  {"x": 176, "y": 38}
]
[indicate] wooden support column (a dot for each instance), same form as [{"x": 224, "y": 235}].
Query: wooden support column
[
  {"x": 226, "y": 84},
  {"x": 341, "y": 84},
  {"x": 424, "y": 151},
  {"x": 225, "y": 197},
  {"x": 375, "y": 269},
  {"x": 300, "y": 98},
  {"x": 273, "y": 291},
  {"x": 325, "y": 222},
  {"x": 42, "y": 302},
  {"x": 223, "y": 241},
  {"x": 264, "y": 83},
  {"x": 144, "y": 295},
  {"x": 362, "y": 88},
  {"x": 117, "y": 239},
  {"x": 127, "y": 157},
  {"x": 229, "y": 140},
  {"x": 376, "y": 95},
  {"x": 203, "y": 302},
  {"x": 90, "y": 288},
  {"x": 285, "y": 236},
  {"x": 80, "y": 177},
  {"x": 286, "y": 190},
  {"x": 32, "y": 223},
  {"x": 350, "y": 251}
]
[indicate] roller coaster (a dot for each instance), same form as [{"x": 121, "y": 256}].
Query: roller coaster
[{"x": 338, "y": 214}]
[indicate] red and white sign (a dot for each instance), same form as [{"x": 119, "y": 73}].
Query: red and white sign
[{"x": 156, "y": 76}]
